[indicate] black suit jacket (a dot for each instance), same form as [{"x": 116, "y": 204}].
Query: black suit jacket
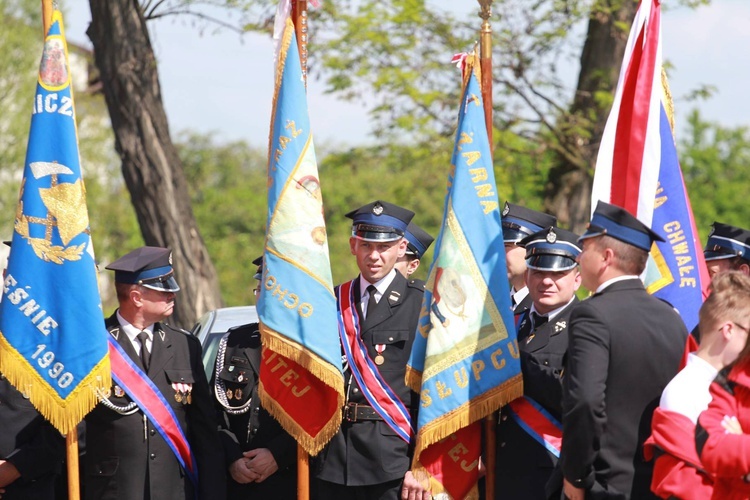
[
  {"x": 255, "y": 428},
  {"x": 125, "y": 461},
  {"x": 523, "y": 465},
  {"x": 369, "y": 452},
  {"x": 624, "y": 347},
  {"x": 30, "y": 443}
]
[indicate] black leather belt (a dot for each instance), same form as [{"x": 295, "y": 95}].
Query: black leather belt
[{"x": 354, "y": 412}]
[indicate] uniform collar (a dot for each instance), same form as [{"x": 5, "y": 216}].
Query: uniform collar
[
  {"x": 381, "y": 285},
  {"x": 131, "y": 331}
]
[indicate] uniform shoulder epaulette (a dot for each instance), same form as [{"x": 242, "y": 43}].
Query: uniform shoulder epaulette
[
  {"x": 415, "y": 283},
  {"x": 177, "y": 329}
]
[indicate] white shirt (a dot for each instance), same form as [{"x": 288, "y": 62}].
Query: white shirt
[
  {"x": 687, "y": 393},
  {"x": 519, "y": 296},
  {"x": 132, "y": 332},
  {"x": 380, "y": 286},
  {"x": 551, "y": 315}
]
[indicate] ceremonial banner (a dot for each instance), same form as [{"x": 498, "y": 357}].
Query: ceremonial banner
[
  {"x": 465, "y": 359},
  {"x": 637, "y": 168},
  {"x": 53, "y": 344},
  {"x": 301, "y": 381}
]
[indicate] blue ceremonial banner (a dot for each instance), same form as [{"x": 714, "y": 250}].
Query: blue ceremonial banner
[
  {"x": 465, "y": 359},
  {"x": 301, "y": 377},
  {"x": 53, "y": 344},
  {"x": 676, "y": 271}
]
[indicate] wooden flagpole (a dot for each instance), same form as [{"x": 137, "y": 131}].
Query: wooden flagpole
[
  {"x": 71, "y": 439},
  {"x": 299, "y": 18},
  {"x": 46, "y": 16},
  {"x": 485, "y": 47}
]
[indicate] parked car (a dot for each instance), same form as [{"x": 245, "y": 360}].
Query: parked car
[{"x": 213, "y": 325}]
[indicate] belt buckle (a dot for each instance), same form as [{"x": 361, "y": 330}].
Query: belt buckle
[{"x": 351, "y": 412}]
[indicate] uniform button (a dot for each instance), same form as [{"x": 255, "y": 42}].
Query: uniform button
[
  {"x": 356, "y": 390},
  {"x": 504, "y": 418},
  {"x": 390, "y": 339},
  {"x": 546, "y": 362},
  {"x": 182, "y": 379},
  {"x": 502, "y": 445},
  {"x": 153, "y": 432},
  {"x": 255, "y": 431},
  {"x": 257, "y": 409},
  {"x": 152, "y": 456}
]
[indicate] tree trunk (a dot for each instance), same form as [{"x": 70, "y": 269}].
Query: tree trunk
[
  {"x": 150, "y": 164},
  {"x": 568, "y": 191}
]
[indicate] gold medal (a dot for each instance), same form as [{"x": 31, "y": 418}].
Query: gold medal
[
  {"x": 379, "y": 359},
  {"x": 229, "y": 394},
  {"x": 238, "y": 394},
  {"x": 189, "y": 398},
  {"x": 119, "y": 392},
  {"x": 178, "y": 396}
]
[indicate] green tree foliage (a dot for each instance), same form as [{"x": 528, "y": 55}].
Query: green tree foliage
[
  {"x": 227, "y": 185},
  {"x": 714, "y": 162}
]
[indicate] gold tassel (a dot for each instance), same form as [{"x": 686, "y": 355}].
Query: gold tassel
[{"x": 63, "y": 414}]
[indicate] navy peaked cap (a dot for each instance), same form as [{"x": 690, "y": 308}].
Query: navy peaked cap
[
  {"x": 418, "y": 240},
  {"x": 551, "y": 249},
  {"x": 520, "y": 222},
  {"x": 620, "y": 224},
  {"x": 725, "y": 241},
  {"x": 147, "y": 266},
  {"x": 258, "y": 272},
  {"x": 380, "y": 221}
]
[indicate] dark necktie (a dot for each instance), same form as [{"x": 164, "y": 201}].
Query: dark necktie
[
  {"x": 371, "y": 302},
  {"x": 145, "y": 355},
  {"x": 538, "y": 320}
]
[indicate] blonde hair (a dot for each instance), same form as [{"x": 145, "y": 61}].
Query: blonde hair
[{"x": 729, "y": 301}]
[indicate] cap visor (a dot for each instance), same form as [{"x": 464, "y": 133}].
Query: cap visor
[
  {"x": 168, "y": 284},
  {"x": 717, "y": 255},
  {"x": 374, "y": 236},
  {"x": 550, "y": 263},
  {"x": 513, "y": 235}
]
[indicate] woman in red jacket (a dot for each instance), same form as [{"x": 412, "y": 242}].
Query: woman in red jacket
[{"x": 723, "y": 446}]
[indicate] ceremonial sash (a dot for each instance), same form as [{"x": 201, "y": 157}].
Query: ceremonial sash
[
  {"x": 538, "y": 423},
  {"x": 377, "y": 392},
  {"x": 152, "y": 403}
]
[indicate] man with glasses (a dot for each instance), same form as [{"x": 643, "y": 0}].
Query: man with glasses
[
  {"x": 154, "y": 434},
  {"x": 724, "y": 319}
]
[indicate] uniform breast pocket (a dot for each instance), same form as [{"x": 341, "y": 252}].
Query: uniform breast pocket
[{"x": 391, "y": 349}]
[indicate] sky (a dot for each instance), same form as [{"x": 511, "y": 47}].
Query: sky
[{"x": 223, "y": 83}]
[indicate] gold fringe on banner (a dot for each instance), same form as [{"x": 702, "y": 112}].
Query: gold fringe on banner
[
  {"x": 63, "y": 414},
  {"x": 320, "y": 369},
  {"x": 468, "y": 413}
]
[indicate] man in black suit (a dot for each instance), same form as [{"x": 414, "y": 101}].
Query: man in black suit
[
  {"x": 127, "y": 453},
  {"x": 529, "y": 429},
  {"x": 624, "y": 347},
  {"x": 260, "y": 456},
  {"x": 369, "y": 458},
  {"x": 518, "y": 223}
]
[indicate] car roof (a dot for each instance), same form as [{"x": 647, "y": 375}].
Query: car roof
[{"x": 227, "y": 317}]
